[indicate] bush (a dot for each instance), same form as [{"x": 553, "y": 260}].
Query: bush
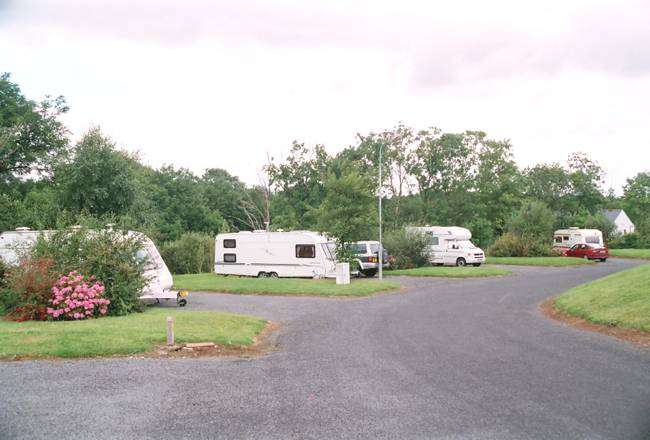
[
  {"x": 75, "y": 297},
  {"x": 409, "y": 249},
  {"x": 513, "y": 245},
  {"x": 534, "y": 221},
  {"x": 110, "y": 256},
  {"x": 27, "y": 289},
  {"x": 193, "y": 252},
  {"x": 629, "y": 241}
]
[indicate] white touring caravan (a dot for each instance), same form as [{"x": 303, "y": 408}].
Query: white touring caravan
[
  {"x": 567, "y": 238},
  {"x": 15, "y": 244},
  {"x": 451, "y": 246},
  {"x": 302, "y": 254}
]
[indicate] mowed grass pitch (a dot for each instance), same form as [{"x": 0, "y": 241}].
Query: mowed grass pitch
[
  {"x": 450, "y": 272},
  {"x": 539, "y": 261},
  {"x": 208, "y": 282},
  {"x": 621, "y": 299},
  {"x": 641, "y": 254},
  {"x": 123, "y": 335}
]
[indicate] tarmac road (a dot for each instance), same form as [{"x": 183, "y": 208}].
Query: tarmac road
[{"x": 449, "y": 359}]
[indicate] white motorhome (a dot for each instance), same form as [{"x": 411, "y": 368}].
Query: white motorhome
[
  {"x": 567, "y": 238},
  {"x": 14, "y": 245},
  {"x": 302, "y": 254},
  {"x": 450, "y": 245}
]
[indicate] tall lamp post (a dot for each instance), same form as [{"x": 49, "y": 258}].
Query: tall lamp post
[{"x": 381, "y": 246}]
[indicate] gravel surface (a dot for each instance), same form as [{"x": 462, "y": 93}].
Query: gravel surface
[{"x": 450, "y": 359}]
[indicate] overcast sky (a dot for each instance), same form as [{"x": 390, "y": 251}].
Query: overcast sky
[{"x": 219, "y": 84}]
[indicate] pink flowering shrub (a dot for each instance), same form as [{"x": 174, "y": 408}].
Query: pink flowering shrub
[{"x": 75, "y": 297}]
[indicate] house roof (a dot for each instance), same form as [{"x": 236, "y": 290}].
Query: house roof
[{"x": 611, "y": 214}]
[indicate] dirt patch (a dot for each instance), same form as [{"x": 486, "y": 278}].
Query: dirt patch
[
  {"x": 265, "y": 342},
  {"x": 637, "y": 337}
]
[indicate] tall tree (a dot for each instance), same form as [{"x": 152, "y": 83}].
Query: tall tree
[
  {"x": 99, "y": 179},
  {"x": 31, "y": 135},
  {"x": 636, "y": 197}
]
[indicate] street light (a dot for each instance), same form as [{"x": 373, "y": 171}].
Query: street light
[{"x": 381, "y": 247}]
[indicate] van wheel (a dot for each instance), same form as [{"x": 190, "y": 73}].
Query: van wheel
[
  {"x": 262, "y": 275},
  {"x": 461, "y": 262},
  {"x": 476, "y": 264},
  {"x": 370, "y": 272},
  {"x": 273, "y": 275}
]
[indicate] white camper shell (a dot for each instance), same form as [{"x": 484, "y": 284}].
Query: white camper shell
[
  {"x": 450, "y": 246},
  {"x": 14, "y": 245},
  {"x": 302, "y": 254},
  {"x": 567, "y": 238}
]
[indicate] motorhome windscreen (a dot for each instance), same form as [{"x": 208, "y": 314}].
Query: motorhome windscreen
[{"x": 466, "y": 244}]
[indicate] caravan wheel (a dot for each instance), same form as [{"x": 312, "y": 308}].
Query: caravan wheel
[
  {"x": 262, "y": 275},
  {"x": 273, "y": 275}
]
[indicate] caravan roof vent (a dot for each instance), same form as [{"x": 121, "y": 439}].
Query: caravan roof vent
[
  {"x": 75, "y": 227},
  {"x": 574, "y": 228},
  {"x": 23, "y": 229}
]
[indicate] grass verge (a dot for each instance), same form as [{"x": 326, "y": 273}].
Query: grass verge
[
  {"x": 207, "y": 282},
  {"x": 539, "y": 261},
  {"x": 642, "y": 254},
  {"x": 621, "y": 299},
  {"x": 450, "y": 272},
  {"x": 123, "y": 335}
]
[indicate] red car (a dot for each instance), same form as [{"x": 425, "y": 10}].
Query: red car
[{"x": 589, "y": 251}]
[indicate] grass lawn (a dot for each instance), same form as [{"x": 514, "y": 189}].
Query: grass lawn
[
  {"x": 621, "y": 299},
  {"x": 449, "y": 272},
  {"x": 538, "y": 261},
  {"x": 134, "y": 333},
  {"x": 208, "y": 282},
  {"x": 643, "y": 254}
]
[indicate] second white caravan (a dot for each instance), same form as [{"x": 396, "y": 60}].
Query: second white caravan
[
  {"x": 451, "y": 246},
  {"x": 300, "y": 254}
]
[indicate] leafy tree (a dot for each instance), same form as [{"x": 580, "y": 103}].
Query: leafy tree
[
  {"x": 534, "y": 221},
  {"x": 348, "y": 212},
  {"x": 31, "y": 136},
  {"x": 99, "y": 180},
  {"x": 636, "y": 197}
]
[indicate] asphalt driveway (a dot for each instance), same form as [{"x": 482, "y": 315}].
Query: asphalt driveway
[{"x": 452, "y": 359}]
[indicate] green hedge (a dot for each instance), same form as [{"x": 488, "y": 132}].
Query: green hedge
[{"x": 193, "y": 252}]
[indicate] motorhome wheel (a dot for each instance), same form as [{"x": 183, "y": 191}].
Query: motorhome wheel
[{"x": 182, "y": 302}]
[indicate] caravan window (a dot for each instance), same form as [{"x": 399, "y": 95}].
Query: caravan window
[
  {"x": 229, "y": 258},
  {"x": 305, "y": 251},
  {"x": 593, "y": 239},
  {"x": 435, "y": 241},
  {"x": 558, "y": 239},
  {"x": 230, "y": 243}
]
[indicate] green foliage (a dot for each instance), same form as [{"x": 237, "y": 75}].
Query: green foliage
[
  {"x": 99, "y": 180},
  {"x": 512, "y": 244},
  {"x": 629, "y": 241},
  {"x": 409, "y": 249},
  {"x": 31, "y": 136},
  {"x": 533, "y": 222},
  {"x": 110, "y": 256},
  {"x": 636, "y": 200},
  {"x": 347, "y": 212},
  {"x": 193, "y": 252}
]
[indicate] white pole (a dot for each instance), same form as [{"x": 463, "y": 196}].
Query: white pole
[
  {"x": 170, "y": 331},
  {"x": 381, "y": 247}
]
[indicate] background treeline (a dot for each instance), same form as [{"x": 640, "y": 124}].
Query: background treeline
[{"x": 430, "y": 177}]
